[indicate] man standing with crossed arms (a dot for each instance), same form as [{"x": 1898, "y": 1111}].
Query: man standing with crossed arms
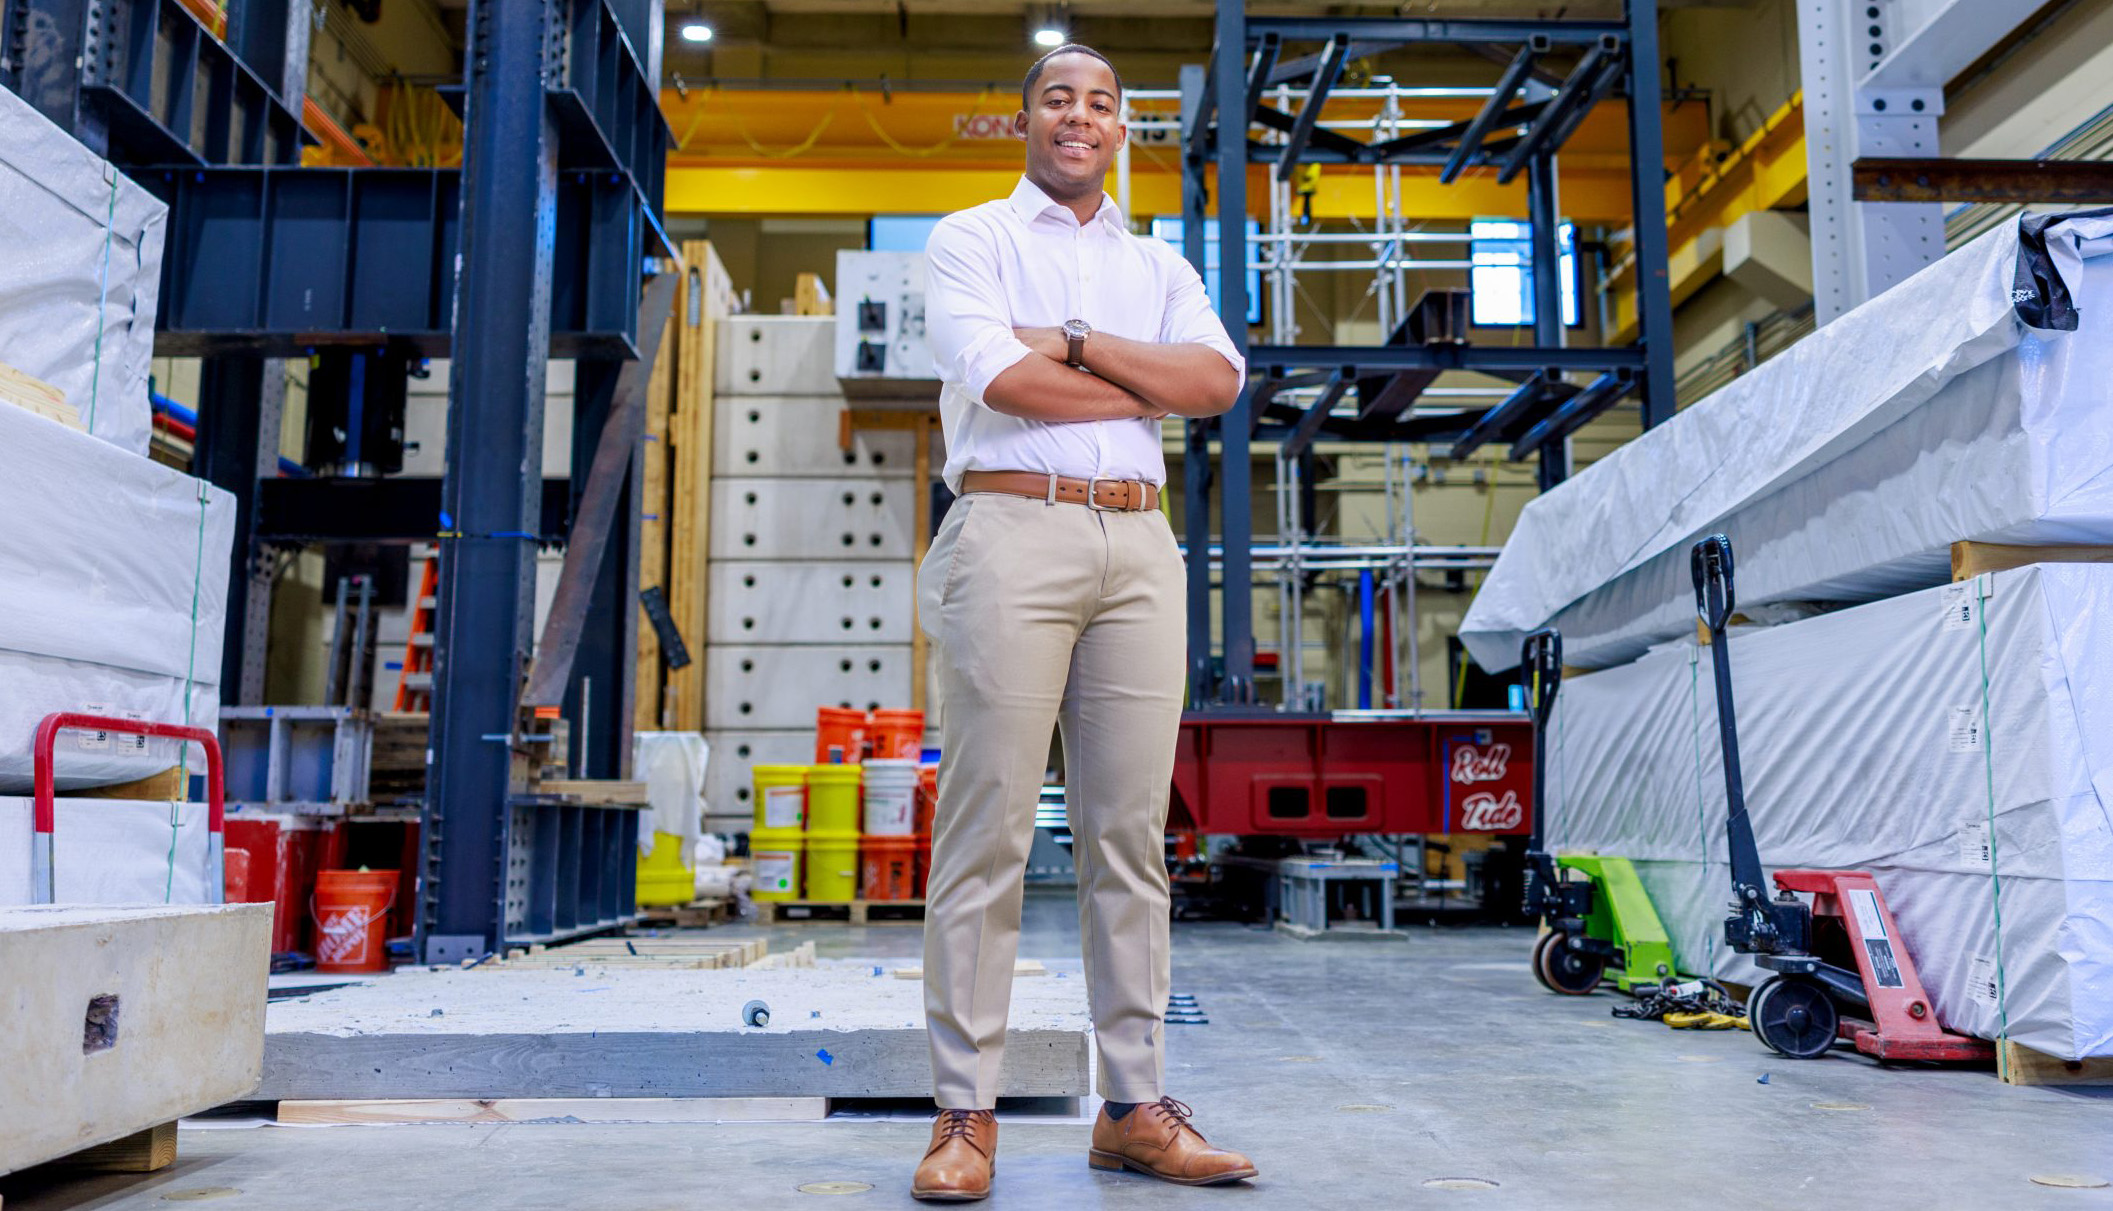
[{"x": 1053, "y": 595}]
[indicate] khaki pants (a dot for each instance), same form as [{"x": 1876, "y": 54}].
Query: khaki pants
[{"x": 1048, "y": 615}]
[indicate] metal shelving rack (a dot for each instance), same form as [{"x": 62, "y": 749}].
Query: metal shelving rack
[{"x": 1279, "y": 74}]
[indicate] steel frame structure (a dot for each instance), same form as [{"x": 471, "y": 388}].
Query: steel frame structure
[
  {"x": 1519, "y": 129},
  {"x": 542, "y": 242}
]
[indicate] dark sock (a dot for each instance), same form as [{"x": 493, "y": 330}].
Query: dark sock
[{"x": 1119, "y": 1110}]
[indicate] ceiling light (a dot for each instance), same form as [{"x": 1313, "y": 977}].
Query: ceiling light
[
  {"x": 696, "y": 31},
  {"x": 1049, "y": 37}
]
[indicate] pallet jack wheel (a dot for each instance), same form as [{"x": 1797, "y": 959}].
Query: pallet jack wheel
[
  {"x": 1794, "y": 1016},
  {"x": 1540, "y": 945},
  {"x": 1570, "y": 972}
]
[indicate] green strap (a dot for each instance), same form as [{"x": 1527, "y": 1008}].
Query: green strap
[
  {"x": 102, "y": 298},
  {"x": 190, "y": 676},
  {"x": 1982, "y": 585}
]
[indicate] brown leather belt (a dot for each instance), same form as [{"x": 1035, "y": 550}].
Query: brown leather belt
[{"x": 1110, "y": 495}]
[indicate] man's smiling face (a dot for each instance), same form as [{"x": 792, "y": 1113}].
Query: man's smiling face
[{"x": 1072, "y": 126}]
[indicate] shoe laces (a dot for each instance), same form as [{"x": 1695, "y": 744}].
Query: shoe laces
[
  {"x": 959, "y": 1124},
  {"x": 1177, "y": 1111}
]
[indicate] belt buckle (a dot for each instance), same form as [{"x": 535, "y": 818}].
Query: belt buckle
[{"x": 1093, "y": 497}]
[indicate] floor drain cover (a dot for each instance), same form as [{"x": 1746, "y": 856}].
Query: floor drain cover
[
  {"x": 2068, "y": 1181},
  {"x": 835, "y": 1188},
  {"x": 1459, "y": 1183}
]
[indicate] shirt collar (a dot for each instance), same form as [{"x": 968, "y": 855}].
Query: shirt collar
[{"x": 1031, "y": 203}]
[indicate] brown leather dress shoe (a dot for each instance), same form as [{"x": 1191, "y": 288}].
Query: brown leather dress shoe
[
  {"x": 964, "y": 1153},
  {"x": 1156, "y": 1139}
]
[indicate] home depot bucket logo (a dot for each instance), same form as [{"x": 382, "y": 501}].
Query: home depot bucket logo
[
  {"x": 341, "y": 935},
  {"x": 1483, "y": 812},
  {"x": 1474, "y": 764}
]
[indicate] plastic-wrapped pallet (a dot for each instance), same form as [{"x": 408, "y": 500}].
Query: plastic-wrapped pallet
[
  {"x": 1968, "y": 402},
  {"x": 80, "y": 273},
  {"x": 113, "y": 589},
  {"x": 1865, "y": 746}
]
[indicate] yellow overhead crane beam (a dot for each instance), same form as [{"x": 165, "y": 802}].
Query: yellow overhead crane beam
[
  {"x": 852, "y": 152},
  {"x": 1709, "y": 192}
]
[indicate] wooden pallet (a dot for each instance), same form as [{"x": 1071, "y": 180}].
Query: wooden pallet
[
  {"x": 697, "y": 914},
  {"x": 857, "y": 912},
  {"x": 673, "y": 953},
  {"x": 2020, "y": 1065}
]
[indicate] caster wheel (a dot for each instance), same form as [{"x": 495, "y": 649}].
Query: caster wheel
[
  {"x": 1570, "y": 972},
  {"x": 1794, "y": 1016},
  {"x": 1539, "y": 946},
  {"x": 755, "y": 1013}
]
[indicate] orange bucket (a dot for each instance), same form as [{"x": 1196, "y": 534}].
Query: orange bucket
[
  {"x": 927, "y": 798},
  {"x": 896, "y": 735},
  {"x": 839, "y": 736},
  {"x": 924, "y": 866},
  {"x": 351, "y": 910},
  {"x": 887, "y": 868}
]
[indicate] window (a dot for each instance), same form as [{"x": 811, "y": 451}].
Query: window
[
  {"x": 900, "y": 232},
  {"x": 1170, "y": 231},
  {"x": 1502, "y": 277}
]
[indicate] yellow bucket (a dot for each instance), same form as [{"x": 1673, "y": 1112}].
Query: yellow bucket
[
  {"x": 662, "y": 876},
  {"x": 833, "y": 804},
  {"x": 774, "y": 856},
  {"x": 832, "y": 866},
  {"x": 781, "y": 797}
]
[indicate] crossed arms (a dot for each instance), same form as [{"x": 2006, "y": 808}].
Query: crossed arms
[{"x": 1020, "y": 372}]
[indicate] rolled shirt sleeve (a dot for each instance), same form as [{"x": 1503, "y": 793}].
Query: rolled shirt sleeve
[
  {"x": 1189, "y": 317},
  {"x": 966, "y": 316}
]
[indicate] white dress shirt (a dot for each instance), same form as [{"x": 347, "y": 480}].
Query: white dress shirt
[{"x": 1027, "y": 262}]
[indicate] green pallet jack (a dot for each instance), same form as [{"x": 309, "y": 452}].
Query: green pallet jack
[{"x": 1595, "y": 913}]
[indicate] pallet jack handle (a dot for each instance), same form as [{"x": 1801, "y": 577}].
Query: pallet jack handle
[
  {"x": 1714, "y": 601},
  {"x": 1540, "y": 675}
]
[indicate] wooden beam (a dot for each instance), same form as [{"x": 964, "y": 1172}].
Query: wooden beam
[
  {"x": 653, "y": 525},
  {"x": 706, "y": 297},
  {"x": 2021, "y": 1065},
  {"x": 1970, "y": 559}
]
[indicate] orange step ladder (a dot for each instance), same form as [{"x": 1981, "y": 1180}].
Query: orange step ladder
[{"x": 414, "y": 679}]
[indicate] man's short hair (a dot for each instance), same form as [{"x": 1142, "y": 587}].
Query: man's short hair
[{"x": 1069, "y": 48}]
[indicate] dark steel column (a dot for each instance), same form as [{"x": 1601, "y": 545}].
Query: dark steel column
[
  {"x": 604, "y": 669},
  {"x": 501, "y": 344},
  {"x": 1545, "y": 217},
  {"x": 1654, "y": 296},
  {"x": 1235, "y": 495},
  {"x": 1196, "y": 455},
  {"x": 239, "y": 403}
]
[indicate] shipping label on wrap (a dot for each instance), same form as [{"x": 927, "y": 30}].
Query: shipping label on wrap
[
  {"x": 784, "y": 806},
  {"x": 1981, "y": 980},
  {"x": 1964, "y": 733},
  {"x": 1974, "y": 844},
  {"x": 88, "y": 741},
  {"x": 1958, "y": 606},
  {"x": 131, "y": 744}
]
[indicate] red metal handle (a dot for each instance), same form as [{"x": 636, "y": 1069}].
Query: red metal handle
[{"x": 44, "y": 815}]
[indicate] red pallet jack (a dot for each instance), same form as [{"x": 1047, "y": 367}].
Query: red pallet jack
[{"x": 1812, "y": 947}]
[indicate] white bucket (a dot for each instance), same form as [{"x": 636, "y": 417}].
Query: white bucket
[{"x": 891, "y": 798}]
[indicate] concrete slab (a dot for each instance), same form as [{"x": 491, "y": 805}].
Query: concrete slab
[
  {"x": 121, "y": 1019},
  {"x": 844, "y": 1029}
]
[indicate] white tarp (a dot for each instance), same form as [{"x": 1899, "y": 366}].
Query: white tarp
[
  {"x": 1844, "y": 468},
  {"x": 672, "y": 765},
  {"x": 110, "y": 851},
  {"x": 113, "y": 588},
  {"x": 1863, "y": 747},
  {"x": 80, "y": 275}
]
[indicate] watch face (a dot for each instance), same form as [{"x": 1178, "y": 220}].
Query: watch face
[{"x": 1077, "y": 329}]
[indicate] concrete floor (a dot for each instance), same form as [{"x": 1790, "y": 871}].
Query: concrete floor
[{"x": 1357, "y": 1074}]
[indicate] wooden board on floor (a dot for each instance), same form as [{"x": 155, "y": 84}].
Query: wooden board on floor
[
  {"x": 1970, "y": 559},
  {"x": 1024, "y": 967},
  {"x": 568, "y": 1110},
  {"x": 697, "y": 914},
  {"x": 2021, "y": 1065},
  {"x": 646, "y": 952},
  {"x": 141, "y": 1152}
]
